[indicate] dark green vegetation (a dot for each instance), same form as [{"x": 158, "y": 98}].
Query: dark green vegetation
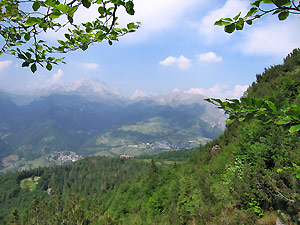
[
  {"x": 59, "y": 127},
  {"x": 249, "y": 175}
]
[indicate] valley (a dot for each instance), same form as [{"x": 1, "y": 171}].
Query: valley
[{"x": 87, "y": 117}]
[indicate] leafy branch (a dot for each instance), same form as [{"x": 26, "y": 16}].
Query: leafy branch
[
  {"x": 20, "y": 29},
  {"x": 281, "y": 8},
  {"x": 256, "y": 108}
]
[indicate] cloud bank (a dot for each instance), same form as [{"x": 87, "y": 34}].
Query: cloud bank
[{"x": 220, "y": 91}]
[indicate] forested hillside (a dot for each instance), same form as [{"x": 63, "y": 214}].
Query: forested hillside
[{"x": 249, "y": 175}]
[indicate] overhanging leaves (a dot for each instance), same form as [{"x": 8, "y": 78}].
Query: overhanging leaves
[{"x": 23, "y": 28}]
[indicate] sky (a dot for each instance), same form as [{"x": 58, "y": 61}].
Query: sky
[{"x": 177, "y": 48}]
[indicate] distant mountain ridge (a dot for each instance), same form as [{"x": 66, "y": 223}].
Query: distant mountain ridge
[{"x": 88, "y": 117}]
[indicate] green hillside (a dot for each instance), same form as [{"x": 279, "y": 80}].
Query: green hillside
[
  {"x": 152, "y": 136},
  {"x": 249, "y": 175}
]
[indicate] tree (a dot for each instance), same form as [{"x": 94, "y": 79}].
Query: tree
[
  {"x": 23, "y": 21},
  {"x": 282, "y": 8}
]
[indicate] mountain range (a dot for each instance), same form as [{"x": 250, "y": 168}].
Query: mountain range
[{"x": 87, "y": 117}]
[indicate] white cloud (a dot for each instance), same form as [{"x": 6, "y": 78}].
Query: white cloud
[
  {"x": 168, "y": 61},
  {"x": 40, "y": 82},
  {"x": 271, "y": 38},
  {"x": 5, "y": 64},
  {"x": 208, "y": 57},
  {"x": 157, "y": 16},
  {"x": 56, "y": 76},
  {"x": 220, "y": 91},
  {"x": 182, "y": 62},
  {"x": 175, "y": 90},
  {"x": 90, "y": 66},
  {"x": 216, "y": 34}
]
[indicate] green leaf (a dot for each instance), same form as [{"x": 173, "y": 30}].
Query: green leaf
[
  {"x": 28, "y": 55},
  {"x": 62, "y": 7},
  {"x": 230, "y": 28},
  {"x": 84, "y": 47},
  {"x": 252, "y": 11},
  {"x": 27, "y": 37},
  {"x": 102, "y": 10},
  {"x": 86, "y": 3},
  {"x": 280, "y": 3},
  {"x": 256, "y": 3},
  {"x": 129, "y": 7},
  {"x": 131, "y": 26},
  {"x": 230, "y": 121},
  {"x": 21, "y": 56},
  {"x": 228, "y": 19},
  {"x": 237, "y": 16},
  {"x": 25, "y": 64},
  {"x": 241, "y": 119},
  {"x": 36, "y": 5},
  {"x": 268, "y": 1},
  {"x": 39, "y": 47},
  {"x": 70, "y": 19},
  {"x": 294, "y": 128},
  {"x": 88, "y": 29},
  {"x": 72, "y": 9},
  {"x": 282, "y": 121},
  {"x": 55, "y": 14},
  {"x": 271, "y": 106},
  {"x": 31, "y": 21},
  {"x": 33, "y": 68},
  {"x": 283, "y": 15},
  {"x": 49, "y": 66},
  {"x": 240, "y": 25},
  {"x": 249, "y": 22},
  {"x": 117, "y": 2},
  {"x": 219, "y": 23}
]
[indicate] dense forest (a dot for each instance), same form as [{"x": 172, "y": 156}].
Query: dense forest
[{"x": 249, "y": 175}]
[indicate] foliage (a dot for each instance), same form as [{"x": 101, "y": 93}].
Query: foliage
[
  {"x": 281, "y": 107},
  {"x": 22, "y": 24},
  {"x": 256, "y": 108},
  {"x": 281, "y": 8}
]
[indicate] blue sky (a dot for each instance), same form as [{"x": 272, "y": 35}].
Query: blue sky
[{"x": 177, "y": 49}]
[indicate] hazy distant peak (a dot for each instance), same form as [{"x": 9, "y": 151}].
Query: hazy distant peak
[
  {"x": 179, "y": 98},
  {"x": 88, "y": 87},
  {"x": 139, "y": 94},
  {"x": 91, "y": 86}
]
